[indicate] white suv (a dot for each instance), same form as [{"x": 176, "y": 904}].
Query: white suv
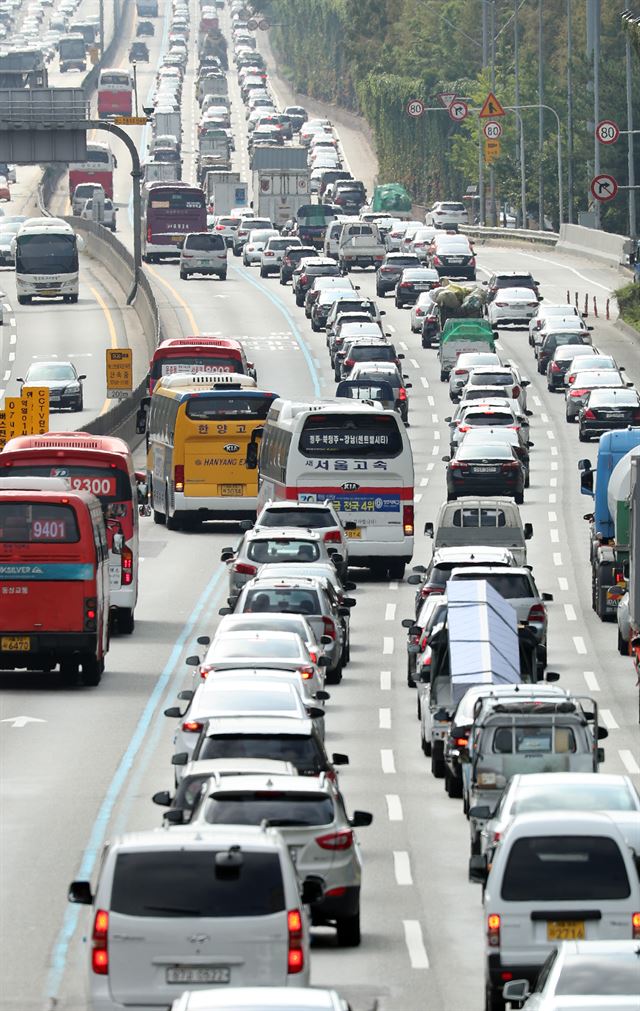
[
  {"x": 202, "y": 907},
  {"x": 447, "y": 214},
  {"x": 203, "y": 253},
  {"x": 319, "y": 516},
  {"x": 272, "y": 255},
  {"x": 311, "y": 817}
]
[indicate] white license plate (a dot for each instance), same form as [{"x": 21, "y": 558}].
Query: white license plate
[
  {"x": 485, "y": 470},
  {"x": 114, "y": 577},
  {"x": 614, "y": 414},
  {"x": 454, "y": 259},
  {"x": 204, "y": 974}
]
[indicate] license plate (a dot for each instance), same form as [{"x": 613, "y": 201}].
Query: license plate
[
  {"x": 454, "y": 259},
  {"x": 614, "y": 414},
  {"x": 231, "y": 489},
  {"x": 114, "y": 577},
  {"x": 15, "y": 643},
  {"x": 354, "y": 534},
  {"x": 485, "y": 470},
  {"x": 565, "y": 930},
  {"x": 193, "y": 974}
]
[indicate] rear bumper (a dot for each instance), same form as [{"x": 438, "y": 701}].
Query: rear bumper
[
  {"x": 481, "y": 485},
  {"x": 230, "y": 507},
  {"x": 334, "y": 906},
  {"x": 48, "y": 648},
  {"x": 496, "y": 966},
  {"x": 598, "y": 427}
]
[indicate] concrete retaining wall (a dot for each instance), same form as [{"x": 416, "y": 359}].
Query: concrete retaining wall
[{"x": 604, "y": 246}]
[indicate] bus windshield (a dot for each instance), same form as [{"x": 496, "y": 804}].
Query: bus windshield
[
  {"x": 109, "y": 484},
  {"x": 234, "y": 406},
  {"x": 315, "y": 214},
  {"x": 46, "y": 254},
  {"x": 99, "y": 156}
]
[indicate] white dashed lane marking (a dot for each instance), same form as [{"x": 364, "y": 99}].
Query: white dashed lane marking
[
  {"x": 415, "y": 944},
  {"x": 385, "y": 680},
  {"x": 390, "y": 612},
  {"x": 387, "y": 645},
  {"x": 394, "y": 807},
  {"x": 609, "y": 719},
  {"x": 569, "y": 612},
  {"x": 387, "y": 761},
  {"x": 402, "y": 867},
  {"x": 579, "y": 644},
  {"x": 384, "y": 719},
  {"x": 629, "y": 762},
  {"x": 592, "y": 681}
]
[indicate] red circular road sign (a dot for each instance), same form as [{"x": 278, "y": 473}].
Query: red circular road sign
[
  {"x": 415, "y": 107},
  {"x": 603, "y": 188},
  {"x": 607, "y": 131},
  {"x": 458, "y": 110}
]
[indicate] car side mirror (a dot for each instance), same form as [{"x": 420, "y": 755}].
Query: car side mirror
[
  {"x": 481, "y": 811},
  {"x": 448, "y": 420},
  {"x": 314, "y": 712},
  {"x": 141, "y": 420},
  {"x": 245, "y": 525},
  {"x": 193, "y": 661},
  {"x": 530, "y": 445},
  {"x": 227, "y": 555},
  {"x": 400, "y": 357},
  {"x": 349, "y": 601},
  {"x": 408, "y": 622},
  {"x": 322, "y": 695},
  {"x": 251, "y": 460},
  {"x": 413, "y": 648},
  {"x": 84, "y": 377},
  {"x": 408, "y": 386},
  {"x": 528, "y": 531},
  {"x": 428, "y": 529},
  {"x": 360, "y": 819},
  {"x": 322, "y": 661},
  {"x": 600, "y": 754},
  {"x": 603, "y": 733},
  {"x": 446, "y": 459},
  {"x": 516, "y": 991},
  {"x": 80, "y": 893},
  {"x": 589, "y": 328},
  {"x": 339, "y": 759},
  {"x": 203, "y": 640},
  {"x": 551, "y": 676},
  {"x": 162, "y": 798},
  {"x": 312, "y": 890},
  {"x": 173, "y": 712},
  {"x": 175, "y": 816},
  {"x": 478, "y": 870},
  {"x": 180, "y": 759},
  {"x": 225, "y": 610},
  {"x": 547, "y": 596},
  {"x": 344, "y": 612}
]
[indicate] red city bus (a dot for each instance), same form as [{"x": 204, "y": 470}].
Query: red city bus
[
  {"x": 97, "y": 169},
  {"x": 54, "y": 583},
  {"x": 193, "y": 355},
  {"x": 115, "y": 93},
  {"x": 170, "y": 210},
  {"x": 102, "y": 465}
]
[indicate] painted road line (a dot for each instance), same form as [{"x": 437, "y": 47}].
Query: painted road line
[
  {"x": 554, "y": 535},
  {"x": 195, "y": 329},
  {"x": 431, "y": 401},
  {"x": 563, "y": 583},
  {"x": 402, "y": 867},
  {"x": 569, "y": 612},
  {"x": 415, "y": 945},
  {"x": 394, "y": 807},
  {"x": 393, "y": 585},
  {"x": 435, "y": 450},
  {"x": 552, "y": 516},
  {"x": 629, "y": 762},
  {"x": 385, "y": 680},
  {"x": 553, "y": 482},
  {"x": 557, "y": 558},
  {"x": 384, "y": 719},
  {"x": 544, "y": 418},
  {"x": 402, "y": 345},
  {"x": 550, "y": 434},
  {"x": 537, "y": 401},
  {"x": 578, "y": 642},
  {"x": 7, "y": 375},
  {"x": 12, "y": 356},
  {"x": 13, "y": 339},
  {"x": 434, "y": 419},
  {"x": 390, "y": 612},
  {"x": 424, "y": 481},
  {"x": 552, "y": 498},
  {"x": 430, "y": 466},
  {"x": 387, "y": 645},
  {"x": 591, "y": 680},
  {"x": 609, "y": 719},
  {"x": 425, "y": 382},
  {"x": 414, "y": 363},
  {"x": 417, "y": 499},
  {"x": 554, "y": 452},
  {"x": 387, "y": 761}
]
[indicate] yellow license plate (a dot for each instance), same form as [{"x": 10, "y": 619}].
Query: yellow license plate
[
  {"x": 565, "y": 930},
  {"x": 355, "y": 534},
  {"x": 231, "y": 489},
  {"x": 15, "y": 643}
]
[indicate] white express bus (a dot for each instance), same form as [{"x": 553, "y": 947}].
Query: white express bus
[
  {"x": 357, "y": 455},
  {"x": 46, "y": 255}
]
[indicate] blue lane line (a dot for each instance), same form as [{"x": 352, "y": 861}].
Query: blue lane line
[
  {"x": 101, "y": 823},
  {"x": 315, "y": 378}
]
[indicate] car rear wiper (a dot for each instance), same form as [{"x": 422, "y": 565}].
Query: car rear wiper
[{"x": 176, "y": 910}]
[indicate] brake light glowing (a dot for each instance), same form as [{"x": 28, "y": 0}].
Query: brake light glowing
[
  {"x": 516, "y": 391},
  {"x": 149, "y": 233},
  {"x": 219, "y": 228},
  {"x": 243, "y": 569},
  {"x": 493, "y": 930},
  {"x": 407, "y": 520},
  {"x": 192, "y": 727},
  {"x": 589, "y": 414},
  {"x": 555, "y": 367},
  {"x": 402, "y": 393},
  {"x": 178, "y": 477},
  {"x": 126, "y": 572},
  {"x": 295, "y": 955},
  {"x": 635, "y": 926},
  {"x": 461, "y": 742},
  {"x": 99, "y": 949},
  {"x": 306, "y": 673},
  {"x": 332, "y": 537},
  {"x": 90, "y": 614},
  {"x": 342, "y": 840},
  {"x": 577, "y": 393},
  {"x": 436, "y": 260}
]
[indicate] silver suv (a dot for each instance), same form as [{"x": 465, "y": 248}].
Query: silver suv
[
  {"x": 263, "y": 547},
  {"x": 311, "y": 817}
]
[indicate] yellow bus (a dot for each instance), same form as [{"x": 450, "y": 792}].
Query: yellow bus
[{"x": 201, "y": 430}]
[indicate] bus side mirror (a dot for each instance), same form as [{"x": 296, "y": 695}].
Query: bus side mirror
[
  {"x": 141, "y": 417},
  {"x": 251, "y": 462}
]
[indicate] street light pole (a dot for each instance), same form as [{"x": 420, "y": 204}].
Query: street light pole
[
  {"x": 630, "y": 136},
  {"x": 569, "y": 113},
  {"x": 550, "y": 109},
  {"x": 520, "y": 142},
  {"x": 492, "y": 171},
  {"x": 540, "y": 116}
]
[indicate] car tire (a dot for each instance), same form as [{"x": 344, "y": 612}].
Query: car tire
[
  {"x": 398, "y": 304},
  {"x": 69, "y": 671},
  {"x": 283, "y": 282},
  {"x": 92, "y": 669},
  {"x": 380, "y": 293},
  {"x": 582, "y": 435},
  {"x": 173, "y": 522},
  {"x": 623, "y": 645},
  {"x": 452, "y": 785},
  {"x": 334, "y": 677},
  {"x": 348, "y": 931},
  {"x": 437, "y": 766},
  {"x": 263, "y": 273},
  {"x": 571, "y": 420},
  {"x": 395, "y": 569},
  {"x": 126, "y": 621},
  {"x": 236, "y": 251},
  {"x": 519, "y": 498},
  {"x": 184, "y": 276},
  {"x": 493, "y": 999},
  {"x": 299, "y": 301},
  {"x": 443, "y": 377},
  {"x": 314, "y": 325},
  {"x": 418, "y": 707},
  {"x": 527, "y": 480},
  {"x": 425, "y": 745},
  {"x": 223, "y": 277},
  {"x": 336, "y": 376}
]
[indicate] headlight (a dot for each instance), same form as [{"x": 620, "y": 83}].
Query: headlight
[{"x": 72, "y": 388}]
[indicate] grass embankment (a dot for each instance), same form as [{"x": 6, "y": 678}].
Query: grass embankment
[{"x": 629, "y": 304}]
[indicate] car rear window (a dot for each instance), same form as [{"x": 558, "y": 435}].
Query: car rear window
[
  {"x": 452, "y": 207},
  {"x": 479, "y": 518},
  {"x": 491, "y": 379},
  {"x": 529, "y": 740},
  {"x": 287, "y": 600},
  {"x": 508, "y": 586},
  {"x": 488, "y": 419},
  {"x": 565, "y": 869},
  {"x": 186, "y": 883},
  {"x": 346, "y": 435},
  {"x": 283, "y": 550},
  {"x": 279, "y": 808},
  {"x": 611, "y": 975},
  {"x": 300, "y": 749},
  {"x": 242, "y": 647},
  {"x": 515, "y": 281},
  {"x": 497, "y": 450},
  {"x": 613, "y": 398},
  {"x": 297, "y": 518},
  {"x": 205, "y": 242},
  {"x": 372, "y": 353}
]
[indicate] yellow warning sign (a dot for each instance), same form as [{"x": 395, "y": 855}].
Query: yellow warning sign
[
  {"x": 491, "y": 151},
  {"x": 17, "y": 411},
  {"x": 37, "y": 398},
  {"x": 3, "y": 428},
  {"x": 491, "y": 107},
  {"x": 130, "y": 120},
  {"x": 119, "y": 373}
]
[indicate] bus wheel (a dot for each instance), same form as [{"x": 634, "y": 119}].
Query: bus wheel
[
  {"x": 92, "y": 669},
  {"x": 126, "y": 621},
  {"x": 396, "y": 569},
  {"x": 73, "y": 299},
  {"x": 173, "y": 522}
]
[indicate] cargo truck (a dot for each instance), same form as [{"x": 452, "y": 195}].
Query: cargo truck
[
  {"x": 392, "y": 198},
  {"x": 280, "y": 182},
  {"x": 225, "y": 190},
  {"x": 609, "y": 485}
]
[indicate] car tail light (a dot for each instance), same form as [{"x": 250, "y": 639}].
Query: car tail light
[
  {"x": 90, "y": 614},
  {"x": 458, "y": 465},
  {"x": 431, "y": 319},
  {"x": 636, "y": 415},
  {"x": 590, "y": 415},
  {"x": 405, "y": 284},
  {"x": 577, "y": 393},
  {"x": 306, "y": 673},
  {"x": 571, "y": 378},
  {"x": 555, "y": 367},
  {"x": 515, "y": 392},
  {"x": 426, "y": 591},
  {"x": 220, "y": 228},
  {"x": 436, "y": 260},
  {"x": 461, "y": 372},
  {"x": 332, "y": 537},
  {"x": 295, "y": 954},
  {"x": 532, "y": 305},
  {"x": 502, "y": 305},
  {"x": 510, "y": 466},
  {"x": 244, "y": 569},
  {"x": 635, "y": 926},
  {"x": 192, "y": 726},
  {"x": 461, "y": 742},
  {"x": 267, "y": 252},
  {"x": 350, "y": 362},
  {"x": 340, "y": 201},
  {"x": 329, "y": 627},
  {"x": 205, "y": 670},
  {"x": 493, "y": 930},
  {"x": 99, "y": 948},
  {"x": 407, "y": 520},
  {"x": 126, "y": 571},
  {"x": 402, "y": 393},
  {"x": 149, "y": 233},
  {"x": 342, "y": 840},
  {"x": 187, "y": 256},
  {"x": 303, "y": 279},
  {"x": 419, "y": 311},
  {"x": 178, "y": 477},
  {"x": 472, "y": 261},
  {"x": 463, "y": 428},
  {"x": 537, "y": 613}
]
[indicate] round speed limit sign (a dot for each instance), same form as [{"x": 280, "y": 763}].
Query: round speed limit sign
[
  {"x": 415, "y": 107},
  {"x": 492, "y": 130},
  {"x": 607, "y": 131}
]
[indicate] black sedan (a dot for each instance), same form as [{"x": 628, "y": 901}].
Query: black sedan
[
  {"x": 62, "y": 381},
  {"x": 291, "y": 259},
  {"x": 412, "y": 283},
  {"x": 390, "y": 271},
  {"x": 489, "y": 468},
  {"x": 607, "y": 409},
  {"x": 559, "y": 364},
  {"x": 138, "y": 52}
]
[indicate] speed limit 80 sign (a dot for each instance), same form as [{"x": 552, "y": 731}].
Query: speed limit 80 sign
[
  {"x": 492, "y": 130},
  {"x": 607, "y": 131},
  {"x": 415, "y": 108}
]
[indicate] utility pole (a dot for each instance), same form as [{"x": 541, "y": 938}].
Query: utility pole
[
  {"x": 569, "y": 113},
  {"x": 595, "y": 23},
  {"x": 492, "y": 171},
  {"x": 630, "y": 136},
  {"x": 540, "y": 116},
  {"x": 520, "y": 141}
]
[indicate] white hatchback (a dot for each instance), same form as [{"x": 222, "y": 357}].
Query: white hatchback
[{"x": 272, "y": 254}]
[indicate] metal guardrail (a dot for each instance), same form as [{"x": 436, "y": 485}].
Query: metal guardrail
[{"x": 511, "y": 234}]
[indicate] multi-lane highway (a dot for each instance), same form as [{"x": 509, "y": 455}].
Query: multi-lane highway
[{"x": 85, "y": 763}]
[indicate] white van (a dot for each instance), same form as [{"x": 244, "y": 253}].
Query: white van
[
  {"x": 184, "y": 909},
  {"x": 555, "y": 876}
]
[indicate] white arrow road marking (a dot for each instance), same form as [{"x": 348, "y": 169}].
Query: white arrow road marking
[{"x": 21, "y": 721}]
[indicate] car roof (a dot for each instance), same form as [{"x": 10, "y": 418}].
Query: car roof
[
  {"x": 238, "y": 767},
  {"x": 468, "y": 552},
  {"x": 288, "y": 504},
  {"x": 267, "y": 725},
  {"x": 567, "y": 778},
  {"x": 271, "y": 998},
  {"x": 267, "y": 634},
  {"x": 564, "y": 823},
  {"x": 490, "y": 570}
]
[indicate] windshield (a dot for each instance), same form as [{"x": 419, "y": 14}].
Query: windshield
[
  {"x": 281, "y": 808},
  {"x": 38, "y": 372},
  {"x": 297, "y": 518},
  {"x": 239, "y": 646},
  {"x": 46, "y": 254},
  {"x": 110, "y": 484},
  {"x": 37, "y": 523},
  {"x": 611, "y": 975},
  {"x": 589, "y": 796}
]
